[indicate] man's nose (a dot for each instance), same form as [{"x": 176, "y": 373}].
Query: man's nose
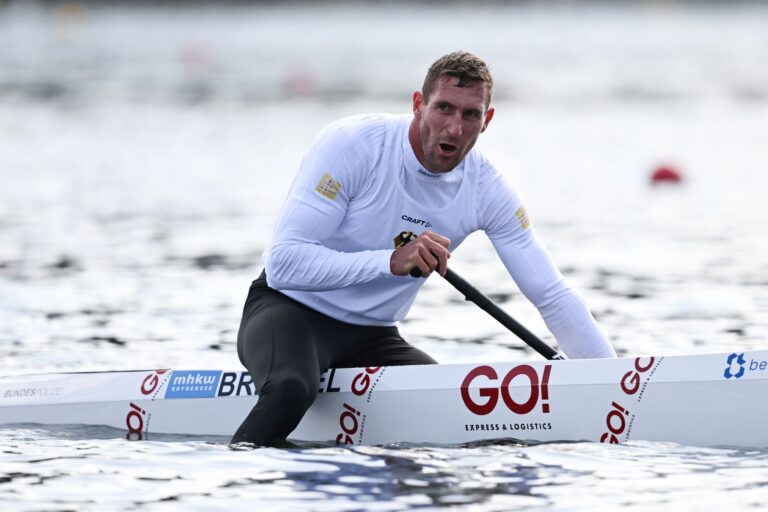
[{"x": 455, "y": 127}]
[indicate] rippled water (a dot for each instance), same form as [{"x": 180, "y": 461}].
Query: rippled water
[
  {"x": 144, "y": 153},
  {"x": 47, "y": 473}
]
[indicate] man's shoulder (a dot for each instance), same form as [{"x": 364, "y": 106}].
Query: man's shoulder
[
  {"x": 489, "y": 178},
  {"x": 366, "y": 125},
  {"x": 367, "y": 137},
  {"x": 480, "y": 165}
]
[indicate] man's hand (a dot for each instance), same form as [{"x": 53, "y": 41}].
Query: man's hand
[{"x": 427, "y": 252}]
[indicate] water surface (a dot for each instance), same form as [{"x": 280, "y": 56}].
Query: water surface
[{"x": 145, "y": 152}]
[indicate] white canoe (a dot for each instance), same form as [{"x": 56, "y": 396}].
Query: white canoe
[{"x": 700, "y": 400}]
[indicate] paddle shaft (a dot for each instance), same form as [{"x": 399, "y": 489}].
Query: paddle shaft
[{"x": 472, "y": 294}]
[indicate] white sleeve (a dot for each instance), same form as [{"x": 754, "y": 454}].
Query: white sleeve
[
  {"x": 565, "y": 313},
  {"x": 335, "y": 169}
]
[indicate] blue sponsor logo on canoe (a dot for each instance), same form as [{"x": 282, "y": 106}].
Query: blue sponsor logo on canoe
[
  {"x": 735, "y": 368},
  {"x": 193, "y": 384},
  {"x": 738, "y": 366}
]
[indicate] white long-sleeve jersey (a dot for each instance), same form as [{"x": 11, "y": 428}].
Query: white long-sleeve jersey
[{"x": 360, "y": 186}]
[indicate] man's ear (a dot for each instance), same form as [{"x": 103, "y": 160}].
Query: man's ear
[
  {"x": 418, "y": 103},
  {"x": 488, "y": 116}
]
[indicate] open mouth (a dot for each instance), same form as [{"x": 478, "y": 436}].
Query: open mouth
[{"x": 447, "y": 148}]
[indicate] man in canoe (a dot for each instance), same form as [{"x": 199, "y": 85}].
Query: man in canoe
[{"x": 336, "y": 279}]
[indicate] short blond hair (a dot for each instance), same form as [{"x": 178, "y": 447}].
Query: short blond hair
[{"x": 468, "y": 68}]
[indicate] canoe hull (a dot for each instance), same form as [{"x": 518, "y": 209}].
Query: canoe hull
[{"x": 700, "y": 400}]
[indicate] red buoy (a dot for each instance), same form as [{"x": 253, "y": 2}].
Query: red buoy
[{"x": 666, "y": 174}]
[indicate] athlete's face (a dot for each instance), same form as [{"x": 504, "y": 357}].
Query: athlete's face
[{"x": 448, "y": 125}]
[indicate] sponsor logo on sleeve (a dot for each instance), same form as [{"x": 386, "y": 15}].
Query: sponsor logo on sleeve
[
  {"x": 522, "y": 218},
  {"x": 328, "y": 187}
]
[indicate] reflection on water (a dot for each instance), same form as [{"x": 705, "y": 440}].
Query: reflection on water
[{"x": 145, "y": 152}]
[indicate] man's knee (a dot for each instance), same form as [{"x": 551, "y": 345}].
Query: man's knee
[{"x": 294, "y": 392}]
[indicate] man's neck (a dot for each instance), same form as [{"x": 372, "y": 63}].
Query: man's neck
[{"x": 415, "y": 140}]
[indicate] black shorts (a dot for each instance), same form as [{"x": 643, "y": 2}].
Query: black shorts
[
  {"x": 286, "y": 346},
  {"x": 278, "y": 332}
]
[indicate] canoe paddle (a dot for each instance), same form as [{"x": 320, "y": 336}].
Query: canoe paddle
[{"x": 472, "y": 294}]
